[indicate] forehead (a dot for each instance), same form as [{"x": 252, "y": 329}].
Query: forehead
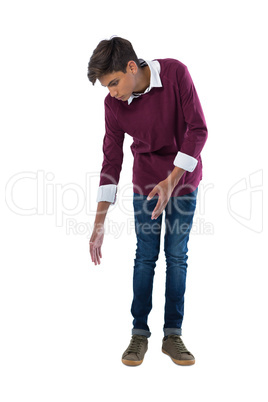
[{"x": 107, "y": 80}]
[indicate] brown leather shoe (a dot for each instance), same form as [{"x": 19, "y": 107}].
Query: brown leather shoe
[
  {"x": 176, "y": 350},
  {"x": 134, "y": 354}
]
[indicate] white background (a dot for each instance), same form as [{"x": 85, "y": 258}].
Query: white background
[{"x": 65, "y": 322}]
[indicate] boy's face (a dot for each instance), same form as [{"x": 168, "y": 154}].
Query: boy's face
[{"x": 121, "y": 85}]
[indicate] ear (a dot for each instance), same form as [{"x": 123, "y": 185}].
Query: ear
[{"x": 132, "y": 66}]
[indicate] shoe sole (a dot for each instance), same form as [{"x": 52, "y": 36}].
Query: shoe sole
[
  {"x": 132, "y": 362},
  {"x": 180, "y": 362}
]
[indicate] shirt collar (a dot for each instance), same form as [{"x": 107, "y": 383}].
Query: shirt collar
[{"x": 155, "y": 80}]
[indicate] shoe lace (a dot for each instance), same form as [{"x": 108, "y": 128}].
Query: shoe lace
[
  {"x": 178, "y": 343},
  {"x": 135, "y": 344}
]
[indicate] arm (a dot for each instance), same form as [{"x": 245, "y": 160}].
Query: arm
[
  {"x": 193, "y": 141},
  {"x": 196, "y": 133},
  {"x": 109, "y": 178},
  {"x": 112, "y": 157},
  {"x": 97, "y": 236}
]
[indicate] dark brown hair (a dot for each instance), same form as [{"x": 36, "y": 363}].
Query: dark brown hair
[{"x": 110, "y": 55}]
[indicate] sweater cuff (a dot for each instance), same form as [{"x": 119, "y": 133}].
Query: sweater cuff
[
  {"x": 107, "y": 192},
  {"x": 185, "y": 161}
]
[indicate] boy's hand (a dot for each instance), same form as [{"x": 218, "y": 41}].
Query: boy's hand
[
  {"x": 164, "y": 190},
  {"x": 95, "y": 243}
]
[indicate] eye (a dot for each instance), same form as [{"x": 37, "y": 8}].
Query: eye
[{"x": 115, "y": 83}]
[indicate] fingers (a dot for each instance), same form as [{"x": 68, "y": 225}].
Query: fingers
[
  {"x": 97, "y": 261},
  {"x": 155, "y": 211},
  {"x": 98, "y": 256},
  {"x": 152, "y": 193},
  {"x": 158, "y": 209},
  {"x": 95, "y": 253}
]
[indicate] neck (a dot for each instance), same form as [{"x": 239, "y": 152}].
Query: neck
[{"x": 143, "y": 79}]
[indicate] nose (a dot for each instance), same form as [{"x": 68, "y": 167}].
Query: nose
[{"x": 113, "y": 93}]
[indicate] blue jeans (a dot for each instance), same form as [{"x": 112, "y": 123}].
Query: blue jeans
[{"x": 179, "y": 214}]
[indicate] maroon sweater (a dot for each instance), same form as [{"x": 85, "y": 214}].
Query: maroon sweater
[{"x": 161, "y": 122}]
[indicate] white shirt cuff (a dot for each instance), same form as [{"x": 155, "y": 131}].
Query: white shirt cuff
[
  {"x": 185, "y": 161},
  {"x": 107, "y": 193}
]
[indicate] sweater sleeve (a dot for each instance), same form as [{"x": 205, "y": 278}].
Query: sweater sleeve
[
  {"x": 112, "y": 157},
  {"x": 196, "y": 133}
]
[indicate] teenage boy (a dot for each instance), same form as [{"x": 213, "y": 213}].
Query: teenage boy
[{"x": 156, "y": 103}]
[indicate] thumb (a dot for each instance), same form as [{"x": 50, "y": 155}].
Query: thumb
[{"x": 152, "y": 193}]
